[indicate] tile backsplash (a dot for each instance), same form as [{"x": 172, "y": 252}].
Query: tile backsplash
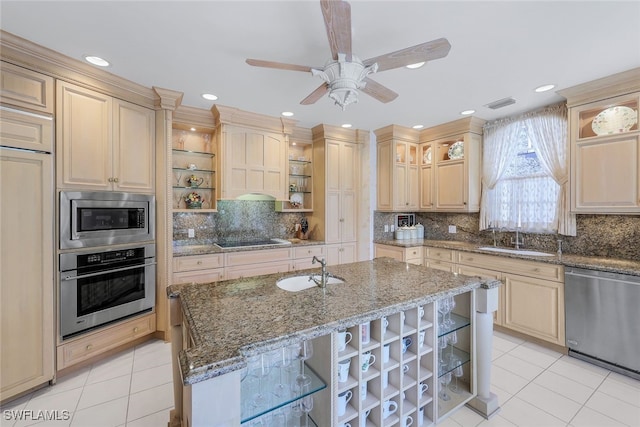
[
  {"x": 614, "y": 236},
  {"x": 236, "y": 220}
]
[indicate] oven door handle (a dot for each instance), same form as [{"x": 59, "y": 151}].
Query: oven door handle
[{"x": 83, "y": 276}]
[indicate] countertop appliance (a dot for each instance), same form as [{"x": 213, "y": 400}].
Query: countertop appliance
[
  {"x": 602, "y": 312},
  {"x": 97, "y": 288},
  {"x": 102, "y": 218}
]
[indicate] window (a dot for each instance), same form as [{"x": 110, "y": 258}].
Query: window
[{"x": 524, "y": 179}]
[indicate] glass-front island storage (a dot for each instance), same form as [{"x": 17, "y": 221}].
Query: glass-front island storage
[{"x": 395, "y": 344}]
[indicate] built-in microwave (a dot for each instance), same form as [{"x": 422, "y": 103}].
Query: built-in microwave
[{"x": 103, "y": 218}]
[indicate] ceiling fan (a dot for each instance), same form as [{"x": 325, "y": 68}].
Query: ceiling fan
[{"x": 345, "y": 73}]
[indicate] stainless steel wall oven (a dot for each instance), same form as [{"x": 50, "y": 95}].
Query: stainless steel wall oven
[{"x": 97, "y": 288}]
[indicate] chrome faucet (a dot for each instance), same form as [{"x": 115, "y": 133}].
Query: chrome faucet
[
  {"x": 518, "y": 241},
  {"x": 493, "y": 232},
  {"x": 324, "y": 276}
]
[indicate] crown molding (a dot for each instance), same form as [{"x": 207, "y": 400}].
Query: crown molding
[
  {"x": 301, "y": 135},
  {"x": 167, "y": 99},
  {"x": 466, "y": 124},
  {"x": 606, "y": 87},
  {"x": 235, "y": 116},
  {"x": 24, "y": 53},
  {"x": 189, "y": 117},
  {"x": 396, "y": 132},
  {"x": 324, "y": 131}
]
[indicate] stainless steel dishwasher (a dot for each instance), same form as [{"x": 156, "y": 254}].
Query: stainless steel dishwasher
[{"x": 602, "y": 312}]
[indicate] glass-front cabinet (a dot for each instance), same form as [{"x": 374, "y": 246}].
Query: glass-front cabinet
[
  {"x": 193, "y": 169},
  {"x": 300, "y": 178}
]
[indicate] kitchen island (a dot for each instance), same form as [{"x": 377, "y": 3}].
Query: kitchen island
[{"x": 218, "y": 326}]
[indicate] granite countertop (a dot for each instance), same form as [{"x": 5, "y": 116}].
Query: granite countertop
[
  {"x": 613, "y": 265},
  {"x": 232, "y": 319},
  {"x": 211, "y": 248}
]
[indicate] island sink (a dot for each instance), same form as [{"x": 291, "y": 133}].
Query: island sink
[{"x": 300, "y": 283}]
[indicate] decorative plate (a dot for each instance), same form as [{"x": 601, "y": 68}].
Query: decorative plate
[
  {"x": 456, "y": 151},
  {"x": 296, "y": 200},
  {"x": 614, "y": 120},
  {"x": 427, "y": 156}
]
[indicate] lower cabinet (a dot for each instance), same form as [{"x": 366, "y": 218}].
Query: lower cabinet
[
  {"x": 342, "y": 253},
  {"x": 95, "y": 343},
  {"x": 412, "y": 255},
  {"x": 255, "y": 263},
  {"x": 303, "y": 257},
  {"x": 198, "y": 269}
]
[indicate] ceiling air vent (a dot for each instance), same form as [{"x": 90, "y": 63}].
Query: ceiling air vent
[{"x": 501, "y": 103}]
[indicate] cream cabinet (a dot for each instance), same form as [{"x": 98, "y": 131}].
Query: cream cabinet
[
  {"x": 303, "y": 256},
  {"x": 103, "y": 143},
  {"x": 26, "y": 89},
  {"x": 411, "y": 255},
  {"x": 398, "y": 172},
  {"x": 336, "y": 170},
  {"x": 29, "y": 131},
  {"x": 198, "y": 268},
  {"x": 440, "y": 259},
  {"x": 451, "y": 164},
  {"x": 27, "y": 319},
  {"x": 300, "y": 173},
  {"x": 605, "y": 155},
  {"x": 256, "y": 263},
  {"x": 532, "y": 298}
]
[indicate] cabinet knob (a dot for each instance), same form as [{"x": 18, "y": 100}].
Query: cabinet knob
[
  {"x": 407, "y": 204},
  {"x": 309, "y": 251},
  {"x": 135, "y": 330},
  {"x": 88, "y": 347},
  {"x": 464, "y": 203},
  {"x": 414, "y": 252},
  {"x": 199, "y": 263},
  {"x": 115, "y": 179},
  {"x": 110, "y": 179},
  {"x": 341, "y": 219}
]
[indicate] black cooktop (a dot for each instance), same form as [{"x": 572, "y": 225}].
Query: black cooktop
[{"x": 251, "y": 243}]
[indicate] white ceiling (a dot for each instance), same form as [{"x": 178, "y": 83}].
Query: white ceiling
[{"x": 499, "y": 49}]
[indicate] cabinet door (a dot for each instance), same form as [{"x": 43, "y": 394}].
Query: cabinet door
[
  {"x": 333, "y": 215},
  {"x": 606, "y": 175},
  {"x": 400, "y": 187},
  {"x": 133, "y": 147},
  {"x": 241, "y": 271},
  {"x": 26, "y": 130},
  {"x": 348, "y": 253},
  {"x": 426, "y": 188},
  {"x": 26, "y": 276},
  {"x": 26, "y": 89},
  {"x": 413, "y": 188},
  {"x": 394, "y": 252},
  {"x": 83, "y": 138},
  {"x": 450, "y": 186},
  {"x": 384, "y": 176},
  {"x": 349, "y": 168},
  {"x": 348, "y": 220},
  {"x": 534, "y": 307}
]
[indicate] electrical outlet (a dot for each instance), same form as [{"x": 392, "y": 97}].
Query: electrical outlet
[
  {"x": 393, "y": 228},
  {"x": 386, "y": 228},
  {"x": 191, "y": 232},
  {"x": 452, "y": 229}
]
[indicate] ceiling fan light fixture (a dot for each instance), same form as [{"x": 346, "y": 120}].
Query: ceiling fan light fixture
[
  {"x": 416, "y": 65},
  {"x": 345, "y": 78}
]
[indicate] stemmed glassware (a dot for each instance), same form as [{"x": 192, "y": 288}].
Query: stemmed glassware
[
  {"x": 457, "y": 373},
  {"x": 305, "y": 352},
  {"x": 445, "y": 380},
  {"x": 452, "y": 305},
  {"x": 306, "y": 405},
  {"x": 259, "y": 367},
  {"x": 442, "y": 344},
  {"x": 281, "y": 360}
]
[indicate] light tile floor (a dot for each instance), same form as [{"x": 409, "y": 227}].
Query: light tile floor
[{"x": 536, "y": 387}]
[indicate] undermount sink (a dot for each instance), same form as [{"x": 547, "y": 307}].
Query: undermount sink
[
  {"x": 515, "y": 251},
  {"x": 300, "y": 283}
]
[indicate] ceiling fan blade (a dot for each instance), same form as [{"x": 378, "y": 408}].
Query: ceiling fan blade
[
  {"x": 316, "y": 94},
  {"x": 337, "y": 19},
  {"x": 278, "y": 65},
  {"x": 428, "y": 51},
  {"x": 378, "y": 91}
]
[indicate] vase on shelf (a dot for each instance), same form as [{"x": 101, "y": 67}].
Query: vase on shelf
[{"x": 194, "y": 205}]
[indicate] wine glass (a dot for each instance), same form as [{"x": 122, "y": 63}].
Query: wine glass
[
  {"x": 452, "y": 305},
  {"x": 305, "y": 352},
  {"x": 281, "y": 360},
  {"x": 457, "y": 373},
  {"x": 445, "y": 380},
  {"x": 443, "y": 308},
  {"x": 306, "y": 405},
  {"x": 259, "y": 367},
  {"x": 442, "y": 344},
  {"x": 453, "y": 339}
]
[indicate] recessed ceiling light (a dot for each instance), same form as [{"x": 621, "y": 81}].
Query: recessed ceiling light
[
  {"x": 209, "y": 96},
  {"x": 418, "y": 126},
  {"x": 467, "y": 112},
  {"x": 544, "y": 88},
  {"x": 96, "y": 60},
  {"x": 347, "y": 125},
  {"x": 416, "y": 65},
  {"x": 287, "y": 113},
  {"x": 193, "y": 129},
  {"x": 293, "y": 143}
]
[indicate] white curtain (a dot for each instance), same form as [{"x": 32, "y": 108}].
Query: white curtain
[
  {"x": 497, "y": 153},
  {"x": 548, "y": 134}
]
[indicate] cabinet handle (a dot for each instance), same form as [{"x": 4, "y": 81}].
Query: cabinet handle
[
  {"x": 309, "y": 251},
  {"x": 341, "y": 219},
  {"x": 88, "y": 347},
  {"x": 135, "y": 330},
  {"x": 116, "y": 180},
  {"x": 199, "y": 262},
  {"x": 414, "y": 252},
  {"x": 110, "y": 179}
]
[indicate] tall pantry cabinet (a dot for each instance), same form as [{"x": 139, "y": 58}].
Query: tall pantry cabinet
[
  {"x": 336, "y": 171},
  {"x": 26, "y": 231}
]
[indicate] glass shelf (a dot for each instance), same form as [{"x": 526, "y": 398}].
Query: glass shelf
[
  {"x": 248, "y": 389},
  {"x": 194, "y": 170},
  {"x": 306, "y": 162},
  {"x": 462, "y": 355},
  {"x": 193, "y": 188},
  {"x": 304, "y": 192},
  {"x": 294, "y": 175},
  {"x": 204, "y": 153},
  {"x": 459, "y": 322}
]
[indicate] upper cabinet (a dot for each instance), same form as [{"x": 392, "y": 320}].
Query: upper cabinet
[
  {"x": 26, "y": 89},
  {"x": 103, "y": 143},
  {"x": 300, "y": 173},
  {"x": 253, "y": 152},
  {"x": 397, "y": 170},
  {"x": 605, "y": 144}
]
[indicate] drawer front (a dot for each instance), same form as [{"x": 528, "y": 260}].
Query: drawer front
[
  {"x": 26, "y": 89},
  {"x": 253, "y": 257},
  {"x": 241, "y": 271},
  {"x": 413, "y": 254},
  {"x": 447, "y": 255},
  {"x": 201, "y": 276},
  {"x": 540, "y": 270},
  {"x": 308, "y": 252},
  {"x": 440, "y": 265},
  {"x": 106, "y": 339},
  {"x": 394, "y": 252},
  {"x": 26, "y": 130},
  {"x": 197, "y": 262}
]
